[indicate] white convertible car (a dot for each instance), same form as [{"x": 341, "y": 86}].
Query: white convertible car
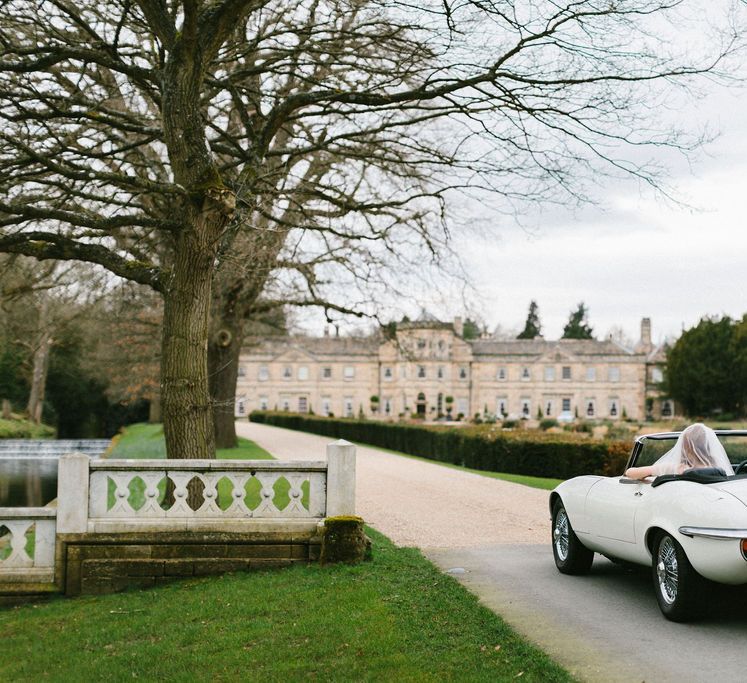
[{"x": 688, "y": 527}]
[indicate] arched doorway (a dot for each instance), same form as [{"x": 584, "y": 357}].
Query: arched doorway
[{"x": 420, "y": 404}]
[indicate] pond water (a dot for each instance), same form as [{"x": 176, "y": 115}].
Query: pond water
[{"x": 27, "y": 482}]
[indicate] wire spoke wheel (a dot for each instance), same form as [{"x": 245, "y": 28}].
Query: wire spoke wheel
[
  {"x": 561, "y": 534},
  {"x": 681, "y": 592},
  {"x": 667, "y": 571},
  {"x": 571, "y": 556}
]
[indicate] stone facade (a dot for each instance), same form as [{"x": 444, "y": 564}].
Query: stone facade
[{"x": 429, "y": 361}]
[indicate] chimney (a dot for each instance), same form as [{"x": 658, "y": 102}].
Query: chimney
[
  {"x": 326, "y": 330},
  {"x": 645, "y": 345},
  {"x": 458, "y": 326}
]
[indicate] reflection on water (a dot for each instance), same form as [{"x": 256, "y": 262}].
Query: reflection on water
[{"x": 27, "y": 482}]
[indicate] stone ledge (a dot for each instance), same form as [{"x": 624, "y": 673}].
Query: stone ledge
[{"x": 105, "y": 563}]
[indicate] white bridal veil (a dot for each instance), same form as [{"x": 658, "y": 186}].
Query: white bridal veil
[{"x": 697, "y": 446}]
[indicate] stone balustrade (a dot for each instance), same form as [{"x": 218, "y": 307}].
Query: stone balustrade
[
  {"x": 27, "y": 544},
  {"x": 120, "y": 523}
]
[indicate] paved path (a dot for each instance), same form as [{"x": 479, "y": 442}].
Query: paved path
[
  {"x": 493, "y": 536},
  {"x": 422, "y": 504}
]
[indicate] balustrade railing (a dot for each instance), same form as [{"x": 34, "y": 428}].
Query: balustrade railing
[
  {"x": 153, "y": 496},
  {"x": 27, "y": 544},
  {"x": 205, "y": 489}
]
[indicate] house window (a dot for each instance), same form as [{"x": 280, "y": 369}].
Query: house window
[
  {"x": 657, "y": 375},
  {"x": 287, "y": 372},
  {"x": 614, "y": 374},
  {"x": 440, "y": 371},
  {"x": 591, "y": 374},
  {"x": 240, "y": 407},
  {"x": 264, "y": 373},
  {"x": 667, "y": 409},
  {"x": 421, "y": 371},
  {"x": 348, "y": 406},
  {"x": 590, "y": 407},
  {"x": 549, "y": 373},
  {"x": 526, "y": 407},
  {"x": 614, "y": 409},
  {"x": 548, "y": 409},
  {"x": 387, "y": 406},
  {"x": 303, "y": 372},
  {"x": 263, "y": 402},
  {"x": 303, "y": 404},
  {"x": 326, "y": 406},
  {"x": 387, "y": 373},
  {"x": 501, "y": 373},
  {"x": 242, "y": 371},
  {"x": 502, "y": 404},
  {"x": 462, "y": 373},
  {"x": 421, "y": 343},
  {"x": 525, "y": 374},
  {"x": 566, "y": 372},
  {"x": 349, "y": 372},
  {"x": 566, "y": 405},
  {"x": 286, "y": 404},
  {"x": 327, "y": 373}
]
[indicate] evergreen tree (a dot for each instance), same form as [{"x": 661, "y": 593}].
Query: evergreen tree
[
  {"x": 703, "y": 367},
  {"x": 578, "y": 325},
  {"x": 532, "y": 327},
  {"x": 472, "y": 329}
]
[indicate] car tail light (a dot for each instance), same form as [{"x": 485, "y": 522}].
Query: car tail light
[{"x": 744, "y": 548}]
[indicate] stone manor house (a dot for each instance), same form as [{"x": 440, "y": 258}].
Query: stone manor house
[{"x": 429, "y": 360}]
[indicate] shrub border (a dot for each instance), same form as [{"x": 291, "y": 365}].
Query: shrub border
[{"x": 538, "y": 455}]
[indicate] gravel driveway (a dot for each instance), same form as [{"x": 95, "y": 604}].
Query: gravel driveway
[{"x": 417, "y": 503}]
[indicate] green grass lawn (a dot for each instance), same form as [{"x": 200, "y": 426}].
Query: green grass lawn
[
  {"x": 147, "y": 441},
  {"x": 526, "y": 480},
  {"x": 396, "y": 618}
]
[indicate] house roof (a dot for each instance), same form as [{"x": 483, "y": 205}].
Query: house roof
[
  {"x": 546, "y": 348},
  {"x": 314, "y": 346}
]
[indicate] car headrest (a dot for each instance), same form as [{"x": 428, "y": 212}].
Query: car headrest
[{"x": 699, "y": 475}]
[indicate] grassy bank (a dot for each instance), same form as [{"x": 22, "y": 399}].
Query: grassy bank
[
  {"x": 18, "y": 428},
  {"x": 395, "y": 618},
  {"x": 147, "y": 441}
]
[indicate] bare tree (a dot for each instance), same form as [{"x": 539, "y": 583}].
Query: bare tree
[
  {"x": 39, "y": 302},
  {"x": 158, "y": 138}
]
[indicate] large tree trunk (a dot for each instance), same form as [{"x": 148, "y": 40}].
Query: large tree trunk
[
  {"x": 188, "y": 422},
  {"x": 40, "y": 365},
  {"x": 224, "y": 347},
  {"x": 205, "y": 212},
  {"x": 154, "y": 408}
]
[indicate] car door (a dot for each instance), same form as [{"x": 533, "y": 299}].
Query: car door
[{"x": 611, "y": 507}]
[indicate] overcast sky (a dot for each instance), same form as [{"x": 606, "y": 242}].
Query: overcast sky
[
  {"x": 636, "y": 257},
  {"x": 633, "y": 255}
]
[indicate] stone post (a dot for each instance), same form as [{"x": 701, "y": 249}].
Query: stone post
[
  {"x": 340, "y": 479},
  {"x": 72, "y": 494}
]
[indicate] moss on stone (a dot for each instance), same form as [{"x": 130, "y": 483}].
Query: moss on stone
[{"x": 344, "y": 540}]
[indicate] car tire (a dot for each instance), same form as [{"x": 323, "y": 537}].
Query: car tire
[
  {"x": 571, "y": 556},
  {"x": 680, "y": 590}
]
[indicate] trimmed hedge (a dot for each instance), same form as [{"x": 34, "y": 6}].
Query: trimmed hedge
[{"x": 560, "y": 456}]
